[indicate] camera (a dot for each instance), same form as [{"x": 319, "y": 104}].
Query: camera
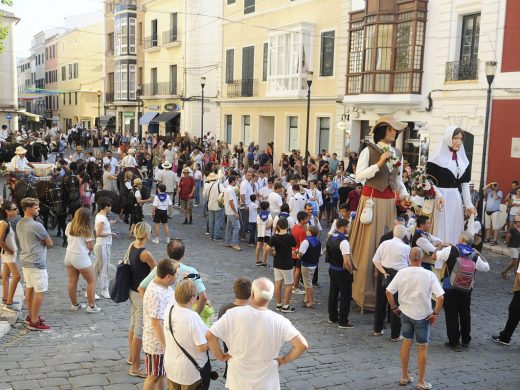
[{"x": 214, "y": 375}]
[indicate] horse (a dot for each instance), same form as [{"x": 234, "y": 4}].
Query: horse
[
  {"x": 118, "y": 201},
  {"x": 49, "y": 195}
]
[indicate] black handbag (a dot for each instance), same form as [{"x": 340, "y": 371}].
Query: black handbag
[
  {"x": 206, "y": 374},
  {"x": 119, "y": 287}
]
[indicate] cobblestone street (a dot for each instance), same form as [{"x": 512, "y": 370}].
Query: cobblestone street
[{"x": 90, "y": 351}]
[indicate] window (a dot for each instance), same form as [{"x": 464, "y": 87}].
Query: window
[
  {"x": 46, "y": 53},
  {"x": 131, "y": 36},
  {"x": 70, "y": 98},
  {"x": 469, "y": 39},
  {"x": 110, "y": 83},
  {"x": 264, "y": 64},
  {"x": 63, "y": 99},
  {"x": 231, "y": 1},
  {"x": 229, "y": 128},
  {"x": 327, "y": 53},
  {"x": 173, "y": 79},
  {"x": 292, "y": 134},
  {"x": 230, "y": 59},
  {"x": 153, "y": 81},
  {"x": 324, "y": 131},
  {"x": 76, "y": 70},
  {"x": 76, "y": 98},
  {"x": 249, "y": 6},
  {"x": 246, "y": 129},
  {"x": 173, "y": 25},
  {"x": 110, "y": 42},
  {"x": 289, "y": 58},
  {"x": 154, "y": 33},
  {"x": 132, "y": 86},
  {"x": 70, "y": 71},
  {"x": 124, "y": 81},
  {"x": 124, "y": 35},
  {"x": 248, "y": 69}
]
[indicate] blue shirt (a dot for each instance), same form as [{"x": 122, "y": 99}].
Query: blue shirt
[
  {"x": 493, "y": 204},
  {"x": 181, "y": 273}
]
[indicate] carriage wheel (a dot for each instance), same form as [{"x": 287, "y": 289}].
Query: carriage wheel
[{"x": 53, "y": 221}]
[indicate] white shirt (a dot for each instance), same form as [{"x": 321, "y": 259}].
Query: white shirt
[
  {"x": 197, "y": 175},
  {"x": 364, "y": 171},
  {"x": 113, "y": 164},
  {"x": 290, "y": 220},
  {"x": 261, "y": 183},
  {"x": 415, "y": 286},
  {"x": 315, "y": 195},
  {"x": 128, "y": 161},
  {"x": 77, "y": 245},
  {"x": 189, "y": 331},
  {"x": 246, "y": 189},
  {"x": 162, "y": 205},
  {"x": 275, "y": 202},
  {"x": 253, "y": 212},
  {"x": 156, "y": 299},
  {"x": 264, "y": 228},
  {"x": 212, "y": 190},
  {"x": 314, "y": 221},
  {"x": 443, "y": 255},
  {"x": 296, "y": 204},
  {"x": 168, "y": 178},
  {"x": 19, "y": 163},
  {"x": 392, "y": 254},
  {"x": 254, "y": 338},
  {"x": 103, "y": 220},
  {"x": 169, "y": 155},
  {"x": 264, "y": 192},
  {"x": 230, "y": 194}
]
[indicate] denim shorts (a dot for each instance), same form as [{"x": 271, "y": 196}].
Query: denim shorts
[{"x": 421, "y": 329}]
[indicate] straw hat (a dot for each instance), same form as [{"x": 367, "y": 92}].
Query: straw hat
[
  {"x": 303, "y": 182},
  {"x": 212, "y": 177},
  {"x": 20, "y": 150},
  {"x": 186, "y": 170},
  {"x": 79, "y": 148},
  {"x": 166, "y": 165},
  {"x": 390, "y": 120}
]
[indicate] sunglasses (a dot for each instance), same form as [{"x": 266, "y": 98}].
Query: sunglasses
[{"x": 192, "y": 276}]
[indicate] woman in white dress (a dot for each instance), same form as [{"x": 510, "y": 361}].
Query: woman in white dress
[{"x": 451, "y": 170}]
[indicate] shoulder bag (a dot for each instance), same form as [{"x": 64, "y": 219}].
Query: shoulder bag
[{"x": 119, "y": 287}]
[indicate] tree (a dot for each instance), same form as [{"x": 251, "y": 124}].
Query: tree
[{"x": 4, "y": 29}]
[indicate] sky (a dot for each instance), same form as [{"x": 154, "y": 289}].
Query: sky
[{"x": 38, "y": 15}]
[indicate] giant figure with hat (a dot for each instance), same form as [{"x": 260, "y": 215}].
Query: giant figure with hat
[{"x": 379, "y": 168}]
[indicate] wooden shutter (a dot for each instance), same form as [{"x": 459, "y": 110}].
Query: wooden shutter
[
  {"x": 264, "y": 66},
  {"x": 327, "y": 53},
  {"x": 230, "y": 59}
]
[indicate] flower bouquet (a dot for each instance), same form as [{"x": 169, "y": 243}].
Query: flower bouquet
[
  {"x": 423, "y": 191},
  {"x": 393, "y": 162}
]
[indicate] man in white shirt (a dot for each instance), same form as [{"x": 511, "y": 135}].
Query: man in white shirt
[
  {"x": 167, "y": 177},
  {"x": 261, "y": 181},
  {"x": 19, "y": 163},
  {"x": 252, "y": 362},
  {"x": 109, "y": 159},
  {"x": 390, "y": 257},
  {"x": 212, "y": 191},
  {"x": 415, "y": 286},
  {"x": 129, "y": 160},
  {"x": 297, "y": 201},
  {"x": 265, "y": 191},
  {"x": 246, "y": 190},
  {"x": 4, "y": 134},
  {"x": 275, "y": 199},
  {"x": 231, "y": 210},
  {"x": 169, "y": 153}
]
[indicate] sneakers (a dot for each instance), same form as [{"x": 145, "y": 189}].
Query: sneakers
[
  {"x": 453, "y": 347},
  {"x": 498, "y": 340},
  {"x": 288, "y": 309},
  {"x": 493, "y": 243},
  {"x": 348, "y": 325},
  {"x": 236, "y": 247},
  {"x": 94, "y": 309},
  {"x": 298, "y": 291},
  {"x": 259, "y": 264},
  {"x": 77, "y": 307},
  {"x": 155, "y": 240},
  {"x": 28, "y": 319},
  {"x": 279, "y": 306},
  {"x": 105, "y": 294},
  {"x": 395, "y": 340},
  {"x": 37, "y": 326},
  {"x": 96, "y": 297}
]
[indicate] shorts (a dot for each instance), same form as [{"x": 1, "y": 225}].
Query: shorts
[
  {"x": 263, "y": 239},
  {"x": 161, "y": 216},
  {"x": 513, "y": 253},
  {"x": 137, "y": 215},
  {"x": 297, "y": 263},
  {"x": 421, "y": 329},
  {"x": 492, "y": 221},
  {"x": 77, "y": 260},
  {"x": 8, "y": 258},
  {"x": 285, "y": 274},
  {"x": 154, "y": 364},
  {"x": 36, "y": 278},
  {"x": 307, "y": 274},
  {"x": 187, "y": 204},
  {"x": 136, "y": 314}
]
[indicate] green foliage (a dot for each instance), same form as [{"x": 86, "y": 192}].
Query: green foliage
[{"x": 4, "y": 31}]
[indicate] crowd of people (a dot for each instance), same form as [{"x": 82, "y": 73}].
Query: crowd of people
[{"x": 381, "y": 248}]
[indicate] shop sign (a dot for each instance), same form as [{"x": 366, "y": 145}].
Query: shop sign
[
  {"x": 128, "y": 114},
  {"x": 153, "y": 107},
  {"x": 112, "y": 113},
  {"x": 172, "y": 107}
]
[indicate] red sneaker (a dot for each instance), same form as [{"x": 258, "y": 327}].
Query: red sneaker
[
  {"x": 38, "y": 326},
  {"x": 28, "y": 319}
]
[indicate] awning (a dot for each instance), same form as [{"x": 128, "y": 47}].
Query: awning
[
  {"x": 107, "y": 120},
  {"x": 147, "y": 117},
  {"x": 165, "y": 117},
  {"x": 32, "y": 117}
]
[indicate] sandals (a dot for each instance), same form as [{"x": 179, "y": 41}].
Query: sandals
[
  {"x": 405, "y": 381},
  {"x": 138, "y": 374},
  {"x": 307, "y": 306},
  {"x": 424, "y": 386}
]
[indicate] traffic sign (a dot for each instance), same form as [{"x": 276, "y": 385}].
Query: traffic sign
[{"x": 8, "y": 116}]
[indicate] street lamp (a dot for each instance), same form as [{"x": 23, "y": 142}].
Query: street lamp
[
  {"x": 202, "y": 84},
  {"x": 309, "y": 83},
  {"x": 490, "y": 69},
  {"x": 99, "y": 109}
]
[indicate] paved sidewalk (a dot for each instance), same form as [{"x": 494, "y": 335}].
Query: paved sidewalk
[{"x": 89, "y": 351}]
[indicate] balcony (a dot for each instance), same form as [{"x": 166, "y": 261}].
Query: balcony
[
  {"x": 109, "y": 97},
  {"x": 151, "y": 43},
  {"x": 169, "y": 39},
  {"x": 160, "y": 89},
  {"x": 461, "y": 71},
  {"x": 242, "y": 88}
]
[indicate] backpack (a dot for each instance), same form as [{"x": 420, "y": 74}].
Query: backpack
[{"x": 462, "y": 275}]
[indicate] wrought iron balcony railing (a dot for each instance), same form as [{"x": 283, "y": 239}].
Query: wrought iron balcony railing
[
  {"x": 162, "y": 89},
  {"x": 460, "y": 71},
  {"x": 242, "y": 88}
]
